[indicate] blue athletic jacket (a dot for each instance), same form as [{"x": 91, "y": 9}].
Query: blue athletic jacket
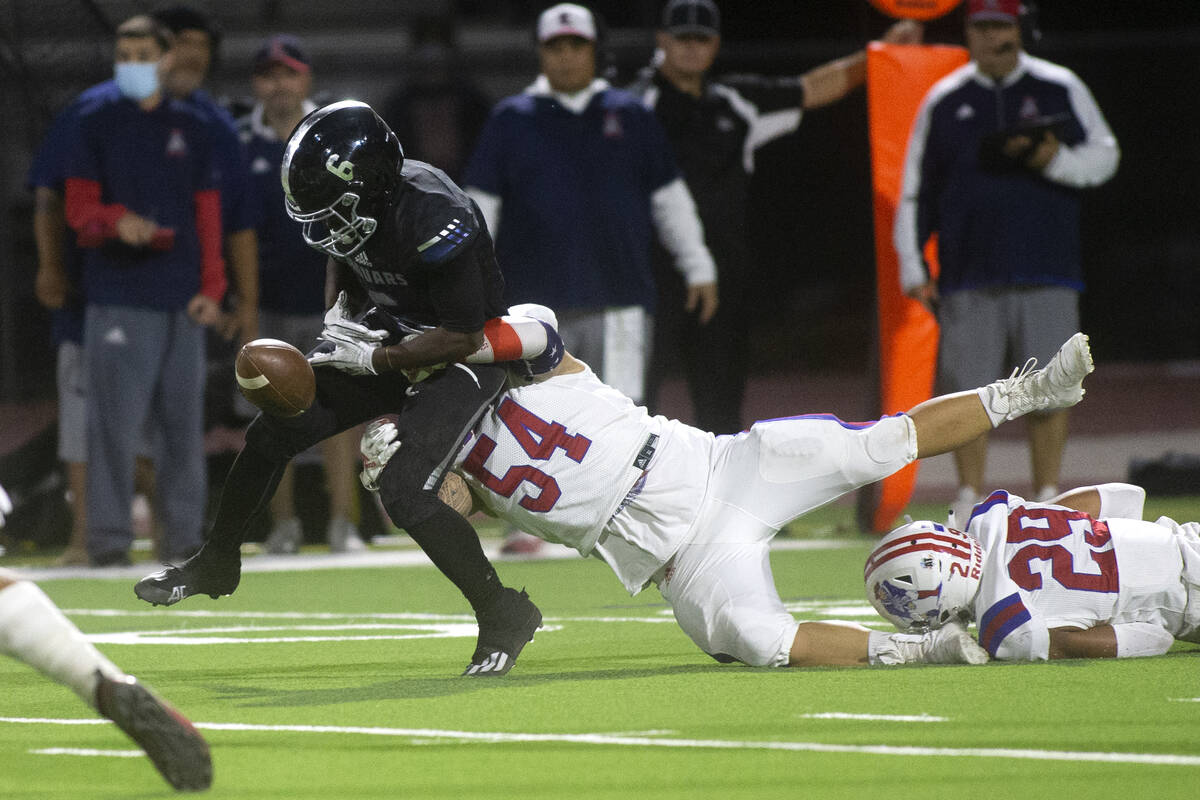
[{"x": 1000, "y": 227}]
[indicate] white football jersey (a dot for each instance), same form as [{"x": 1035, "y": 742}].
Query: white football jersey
[
  {"x": 559, "y": 458},
  {"x": 1046, "y": 566}
]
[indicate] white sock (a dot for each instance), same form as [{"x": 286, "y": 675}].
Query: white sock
[
  {"x": 993, "y": 396},
  {"x": 34, "y": 630}
]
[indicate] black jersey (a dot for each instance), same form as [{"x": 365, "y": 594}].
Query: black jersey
[
  {"x": 431, "y": 261},
  {"x": 714, "y": 137}
]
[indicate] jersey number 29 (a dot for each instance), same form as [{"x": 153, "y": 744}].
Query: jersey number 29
[{"x": 1047, "y": 525}]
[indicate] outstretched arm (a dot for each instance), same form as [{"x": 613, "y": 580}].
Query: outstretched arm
[
  {"x": 824, "y": 644},
  {"x": 834, "y": 80},
  {"x": 1123, "y": 640},
  {"x": 1105, "y": 500}
]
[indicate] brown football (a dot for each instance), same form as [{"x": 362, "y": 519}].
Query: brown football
[{"x": 276, "y": 377}]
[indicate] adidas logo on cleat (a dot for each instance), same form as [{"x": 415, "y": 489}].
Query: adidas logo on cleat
[{"x": 495, "y": 664}]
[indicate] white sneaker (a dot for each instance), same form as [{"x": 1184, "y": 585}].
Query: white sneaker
[
  {"x": 961, "y": 508},
  {"x": 286, "y": 536},
  {"x": 343, "y": 537},
  {"x": 1046, "y": 494},
  {"x": 1057, "y": 385}
]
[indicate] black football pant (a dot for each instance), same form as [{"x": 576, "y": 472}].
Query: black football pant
[
  {"x": 713, "y": 356},
  {"x": 433, "y": 418}
]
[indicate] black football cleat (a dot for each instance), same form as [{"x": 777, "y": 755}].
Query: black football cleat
[
  {"x": 171, "y": 742},
  {"x": 200, "y": 574},
  {"x": 504, "y": 630}
]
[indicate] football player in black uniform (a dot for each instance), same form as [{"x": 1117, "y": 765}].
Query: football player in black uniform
[{"x": 418, "y": 278}]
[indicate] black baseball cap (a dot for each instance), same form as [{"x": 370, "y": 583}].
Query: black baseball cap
[
  {"x": 185, "y": 18},
  {"x": 692, "y": 16}
]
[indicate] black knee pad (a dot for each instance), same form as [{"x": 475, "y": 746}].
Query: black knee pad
[
  {"x": 402, "y": 489},
  {"x": 410, "y": 508}
]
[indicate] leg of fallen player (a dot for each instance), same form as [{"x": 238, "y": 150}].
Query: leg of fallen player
[
  {"x": 33, "y": 630},
  {"x": 946, "y": 423}
]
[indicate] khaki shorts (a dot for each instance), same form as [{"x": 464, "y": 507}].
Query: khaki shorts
[{"x": 986, "y": 333}]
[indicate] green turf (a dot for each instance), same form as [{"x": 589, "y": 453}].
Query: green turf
[{"x": 607, "y": 664}]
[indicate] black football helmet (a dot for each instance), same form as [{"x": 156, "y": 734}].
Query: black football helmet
[{"x": 340, "y": 168}]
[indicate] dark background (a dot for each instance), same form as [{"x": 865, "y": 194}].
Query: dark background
[{"x": 811, "y": 217}]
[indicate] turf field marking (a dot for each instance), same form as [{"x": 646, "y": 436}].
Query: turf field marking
[
  {"x": 1184, "y": 699},
  {"x": 83, "y": 751},
  {"x": 374, "y": 558},
  {"x": 661, "y": 615},
  {"x": 875, "y": 717},
  {"x": 425, "y": 631},
  {"x": 605, "y": 739}
]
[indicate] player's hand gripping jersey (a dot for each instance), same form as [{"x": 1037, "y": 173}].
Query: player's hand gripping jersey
[{"x": 1047, "y": 567}]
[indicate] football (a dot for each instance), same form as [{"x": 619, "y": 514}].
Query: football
[{"x": 276, "y": 377}]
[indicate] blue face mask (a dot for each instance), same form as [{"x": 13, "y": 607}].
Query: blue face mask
[{"x": 136, "y": 80}]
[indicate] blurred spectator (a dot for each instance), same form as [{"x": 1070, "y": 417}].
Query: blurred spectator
[
  {"x": 998, "y": 153},
  {"x": 59, "y": 288},
  {"x": 714, "y": 128},
  {"x": 291, "y": 285},
  {"x": 197, "y": 40},
  {"x": 141, "y": 196},
  {"x": 438, "y": 111},
  {"x": 573, "y": 178}
]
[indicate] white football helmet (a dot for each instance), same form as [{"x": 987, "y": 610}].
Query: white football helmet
[{"x": 923, "y": 575}]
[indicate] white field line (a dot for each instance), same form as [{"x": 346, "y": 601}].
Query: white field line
[
  {"x": 610, "y": 740},
  {"x": 663, "y": 615},
  {"x": 374, "y": 557},
  {"x": 875, "y": 717},
  {"x": 416, "y": 625},
  {"x": 83, "y": 751}
]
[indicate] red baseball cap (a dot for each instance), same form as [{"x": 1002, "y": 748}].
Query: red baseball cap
[{"x": 1002, "y": 10}]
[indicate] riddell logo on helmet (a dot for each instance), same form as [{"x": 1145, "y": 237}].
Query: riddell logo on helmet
[{"x": 344, "y": 170}]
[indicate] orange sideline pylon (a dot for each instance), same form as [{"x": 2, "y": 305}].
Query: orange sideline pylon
[{"x": 898, "y": 76}]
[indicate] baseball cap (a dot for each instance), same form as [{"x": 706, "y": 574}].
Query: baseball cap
[
  {"x": 1002, "y": 10},
  {"x": 566, "y": 19},
  {"x": 692, "y": 16},
  {"x": 282, "y": 49}
]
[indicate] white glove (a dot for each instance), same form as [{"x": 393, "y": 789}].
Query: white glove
[
  {"x": 349, "y": 354},
  {"x": 338, "y": 323},
  {"x": 950, "y": 644},
  {"x": 380, "y": 441},
  {"x": 5, "y": 505}
]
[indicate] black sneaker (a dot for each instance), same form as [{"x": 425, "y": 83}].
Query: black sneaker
[
  {"x": 200, "y": 574},
  {"x": 504, "y": 629},
  {"x": 171, "y": 742}
]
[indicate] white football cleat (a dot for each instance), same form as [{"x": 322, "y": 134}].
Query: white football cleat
[{"x": 1057, "y": 385}]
